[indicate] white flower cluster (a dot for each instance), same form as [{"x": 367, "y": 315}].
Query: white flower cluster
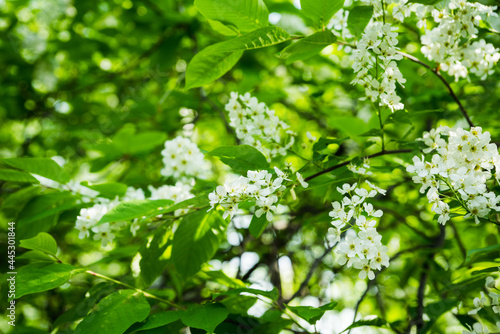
[
  {"x": 256, "y": 125},
  {"x": 183, "y": 158},
  {"x": 443, "y": 44},
  {"x": 463, "y": 162},
  {"x": 362, "y": 250},
  {"x": 377, "y": 51},
  {"x": 483, "y": 302},
  {"x": 88, "y": 218},
  {"x": 258, "y": 186},
  {"x": 362, "y": 169}
]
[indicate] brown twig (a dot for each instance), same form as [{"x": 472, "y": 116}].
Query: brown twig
[
  {"x": 345, "y": 163},
  {"x": 443, "y": 80}
]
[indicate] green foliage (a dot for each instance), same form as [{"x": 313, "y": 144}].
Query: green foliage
[
  {"x": 41, "y": 166},
  {"x": 312, "y": 314},
  {"x": 115, "y": 313},
  {"x": 257, "y": 225},
  {"x": 134, "y": 209},
  {"x": 307, "y": 47},
  {"x": 214, "y": 61},
  {"x": 196, "y": 240},
  {"x": 241, "y": 158},
  {"x": 205, "y": 317},
  {"x": 42, "y": 276},
  {"x": 321, "y": 11},
  {"x": 358, "y": 18},
  {"x": 245, "y": 15},
  {"x": 99, "y": 87},
  {"x": 43, "y": 242}
]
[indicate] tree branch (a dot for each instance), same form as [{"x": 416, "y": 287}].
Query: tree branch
[
  {"x": 315, "y": 265},
  {"x": 443, "y": 80},
  {"x": 345, "y": 163}
]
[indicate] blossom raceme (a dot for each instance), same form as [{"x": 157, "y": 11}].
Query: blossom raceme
[
  {"x": 463, "y": 163},
  {"x": 362, "y": 247},
  {"x": 183, "y": 158},
  {"x": 257, "y": 125},
  {"x": 261, "y": 187}
]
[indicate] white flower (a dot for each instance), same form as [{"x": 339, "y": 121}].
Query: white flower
[{"x": 301, "y": 180}]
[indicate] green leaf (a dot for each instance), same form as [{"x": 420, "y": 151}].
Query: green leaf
[
  {"x": 42, "y": 276},
  {"x": 109, "y": 190},
  {"x": 245, "y": 15},
  {"x": 95, "y": 293},
  {"x": 42, "y": 166},
  {"x": 159, "y": 319},
  {"x": 205, "y": 68},
  {"x": 35, "y": 256},
  {"x": 257, "y": 39},
  {"x": 153, "y": 258},
  {"x": 358, "y": 18},
  {"x": 321, "y": 11},
  {"x": 115, "y": 313},
  {"x": 475, "y": 254},
  {"x": 377, "y": 322},
  {"x": 312, "y": 314},
  {"x": 273, "y": 294},
  {"x": 197, "y": 201},
  {"x": 307, "y": 47},
  {"x": 40, "y": 213},
  {"x": 134, "y": 209},
  {"x": 42, "y": 242},
  {"x": 258, "y": 225},
  {"x": 16, "y": 176},
  {"x": 205, "y": 317},
  {"x": 214, "y": 61},
  {"x": 241, "y": 158},
  {"x": 196, "y": 240}
]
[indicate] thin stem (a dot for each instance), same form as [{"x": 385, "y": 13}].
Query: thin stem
[
  {"x": 146, "y": 294},
  {"x": 345, "y": 163},
  {"x": 443, "y": 80},
  {"x": 315, "y": 265}
]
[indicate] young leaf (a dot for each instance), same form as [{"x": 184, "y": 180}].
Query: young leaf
[
  {"x": 474, "y": 254},
  {"x": 42, "y": 166},
  {"x": 159, "y": 319},
  {"x": 321, "y": 11},
  {"x": 16, "y": 176},
  {"x": 377, "y": 322},
  {"x": 42, "y": 242},
  {"x": 312, "y": 314},
  {"x": 307, "y": 47},
  {"x": 241, "y": 158},
  {"x": 257, "y": 39},
  {"x": 205, "y": 317},
  {"x": 358, "y": 18},
  {"x": 115, "y": 313},
  {"x": 153, "y": 261},
  {"x": 205, "y": 68},
  {"x": 95, "y": 293},
  {"x": 134, "y": 209},
  {"x": 258, "y": 225},
  {"x": 245, "y": 15},
  {"x": 42, "y": 276},
  {"x": 196, "y": 240}
]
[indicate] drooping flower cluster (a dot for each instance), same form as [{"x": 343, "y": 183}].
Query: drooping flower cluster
[
  {"x": 256, "y": 125},
  {"x": 484, "y": 302},
  {"x": 375, "y": 65},
  {"x": 362, "y": 250},
  {"x": 260, "y": 187},
  {"x": 463, "y": 162},
  {"x": 183, "y": 158},
  {"x": 86, "y": 221},
  {"x": 456, "y": 22}
]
